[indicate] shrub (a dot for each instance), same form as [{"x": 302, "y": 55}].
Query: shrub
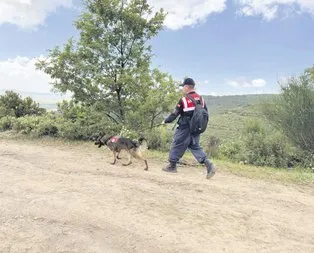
[
  {"x": 292, "y": 111},
  {"x": 26, "y": 124},
  {"x": 159, "y": 138},
  {"x": 233, "y": 150},
  {"x": 47, "y": 126},
  {"x": 212, "y": 145},
  {"x": 6, "y": 123},
  {"x": 258, "y": 146},
  {"x": 11, "y": 104}
]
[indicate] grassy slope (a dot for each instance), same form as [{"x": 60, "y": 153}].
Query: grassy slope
[{"x": 229, "y": 113}]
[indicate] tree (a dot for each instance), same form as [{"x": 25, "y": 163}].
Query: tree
[
  {"x": 11, "y": 104},
  {"x": 151, "y": 103},
  {"x": 293, "y": 111},
  {"x": 110, "y": 63}
]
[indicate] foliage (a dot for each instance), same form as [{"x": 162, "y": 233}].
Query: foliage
[
  {"x": 212, "y": 145},
  {"x": 6, "y": 123},
  {"x": 228, "y": 125},
  {"x": 110, "y": 63},
  {"x": 232, "y": 150},
  {"x": 11, "y": 104},
  {"x": 259, "y": 145},
  {"x": 160, "y": 138},
  {"x": 293, "y": 111}
]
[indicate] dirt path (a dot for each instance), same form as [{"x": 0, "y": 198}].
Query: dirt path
[{"x": 68, "y": 198}]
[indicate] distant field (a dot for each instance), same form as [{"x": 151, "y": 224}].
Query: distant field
[
  {"x": 229, "y": 124},
  {"x": 223, "y": 104},
  {"x": 229, "y": 113}
]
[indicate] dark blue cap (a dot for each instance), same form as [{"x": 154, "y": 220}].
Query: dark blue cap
[{"x": 188, "y": 81}]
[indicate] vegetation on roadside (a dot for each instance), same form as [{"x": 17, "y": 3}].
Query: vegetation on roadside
[{"x": 115, "y": 90}]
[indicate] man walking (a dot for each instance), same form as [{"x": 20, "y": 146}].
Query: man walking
[{"x": 183, "y": 139}]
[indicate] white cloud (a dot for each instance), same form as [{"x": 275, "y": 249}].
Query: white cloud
[
  {"x": 213, "y": 94},
  {"x": 183, "y": 13},
  {"x": 271, "y": 9},
  {"x": 243, "y": 82},
  {"x": 258, "y": 83},
  {"x": 20, "y": 74},
  {"x": 29, "y": 13}
]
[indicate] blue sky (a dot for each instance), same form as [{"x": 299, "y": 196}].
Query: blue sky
[{"x": 228, "y": 47}]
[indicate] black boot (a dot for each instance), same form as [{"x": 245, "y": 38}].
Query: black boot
[
  {"x": 211, "y": 170},
  {"x": 171, "y": 167}
]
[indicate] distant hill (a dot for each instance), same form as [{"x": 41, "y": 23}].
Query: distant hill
[
  {"x": 219, "y": 104},
  {"x": 228, "y": 114},
  {"x": 216, "y": 104}
]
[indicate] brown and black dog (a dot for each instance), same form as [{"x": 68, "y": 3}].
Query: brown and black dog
[{"x": 118, "y": 143}]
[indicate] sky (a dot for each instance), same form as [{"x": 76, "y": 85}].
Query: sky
[{"x": 229, "y": 47}]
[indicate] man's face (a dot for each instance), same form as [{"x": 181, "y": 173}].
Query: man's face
[{"x": 186, "y": 89}]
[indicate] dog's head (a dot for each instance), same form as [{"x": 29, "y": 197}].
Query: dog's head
[
  {"x": 99, "y": 139},
  {"x": 93, "y": 137},
  {"x": 102, "y": 139}
]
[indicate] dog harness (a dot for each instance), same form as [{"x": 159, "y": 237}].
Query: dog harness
[{"x": 114, "y": 139}]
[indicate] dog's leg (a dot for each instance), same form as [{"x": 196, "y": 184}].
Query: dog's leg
[
  {"x": 118, "y": 155},
  {"x": 146, "y": 168},
  {"x": 137, "y": 154},
  {"x": 129, "y": 160},
  {"x": 114, "y": 157}
]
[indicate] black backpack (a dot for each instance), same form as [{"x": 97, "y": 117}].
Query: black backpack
[{"x": 199, "y": 120}]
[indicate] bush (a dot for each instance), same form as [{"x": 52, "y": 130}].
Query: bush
[
  {"x": 11, "y": 104},
  {"x": 70, "y": 130},
  {"x": 212, "y": 145},
  {"x": 159, "y": 138},
  {"x": 258, "y": 146},
  {"x": 292, "y": 111},
  {"x": 265, "y": 147},
  {"x": 6, "y": 123},
  {"x": 48, "y": 126},
  {"x": 26, "y": 124},
  {"x": 254, "y": 126},
  {"x": 233, "y": 150}
]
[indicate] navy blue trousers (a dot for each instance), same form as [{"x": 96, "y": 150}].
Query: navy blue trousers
[{"x": 183, "y": 140}]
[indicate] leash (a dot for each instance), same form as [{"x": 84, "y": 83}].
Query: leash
[{"x": 158, "y": 125}]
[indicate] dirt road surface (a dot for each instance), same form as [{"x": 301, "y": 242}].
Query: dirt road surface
[{"x": 69, "y": 198}]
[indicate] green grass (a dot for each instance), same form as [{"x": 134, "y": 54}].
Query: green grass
[
  {"x": 225, "y": 103},
  {"x": 229, "y": 113},
  {"x": 297, "y": 176},
  {"x": 229, "y": 124}
]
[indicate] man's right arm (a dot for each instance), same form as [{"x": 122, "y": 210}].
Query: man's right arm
[{"x": 177, "y": 111}]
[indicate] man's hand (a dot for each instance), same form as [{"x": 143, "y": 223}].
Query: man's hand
[{"x": 163, "y": 123}]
